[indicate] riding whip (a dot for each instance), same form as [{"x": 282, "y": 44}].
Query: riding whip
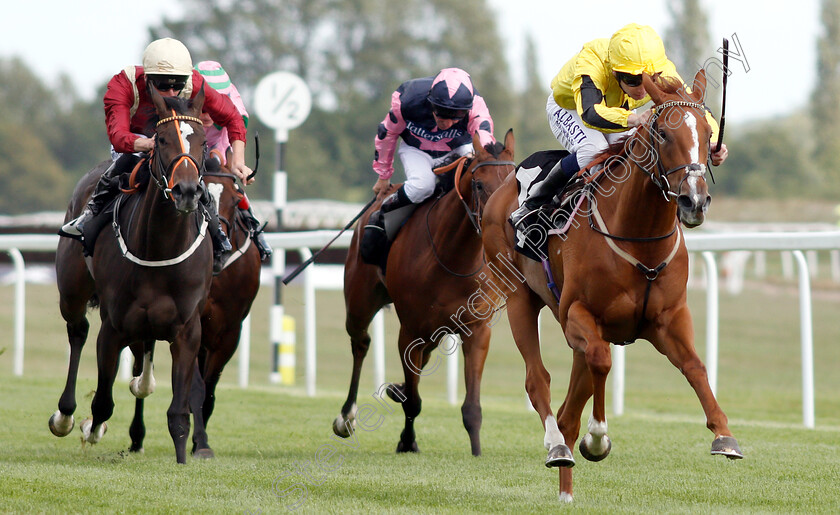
[
  {"x": 723, "y": 104},
  {"x": 309, "y": 261},
  {"x": 257, "y": 152}
]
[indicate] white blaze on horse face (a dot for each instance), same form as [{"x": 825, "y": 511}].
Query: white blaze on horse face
[
  {"x": 553, "y": 436},
  {"x": 694, "y": 155},
  {"x": 691, "y": 121},
  {"x": 186, "y": 130},
  {"x": 215, "y": 191}
]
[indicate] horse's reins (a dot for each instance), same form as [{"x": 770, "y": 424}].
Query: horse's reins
[{"x": 474, "y": 217}]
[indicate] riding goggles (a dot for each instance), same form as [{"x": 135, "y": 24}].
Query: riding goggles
[
  {"x": 449, "y": 114},
  {"x": 166, "y": 82},
  {"x": 631, "y": 80}
]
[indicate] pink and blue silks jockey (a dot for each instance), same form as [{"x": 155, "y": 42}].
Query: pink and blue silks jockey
[
  {"x": 436, "y": 118},
  {"x": 217, "y": 139}
]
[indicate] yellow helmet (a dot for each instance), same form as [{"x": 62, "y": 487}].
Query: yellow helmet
[
  {"x": 167, "y": 56},
  {"x": 635, "y": 49}
]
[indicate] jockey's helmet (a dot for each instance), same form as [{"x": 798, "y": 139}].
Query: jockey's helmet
[
  {"x": 635, "y": 49},
  {"x": 167, "y": 56},
  {"x": 452, "y": 93}
]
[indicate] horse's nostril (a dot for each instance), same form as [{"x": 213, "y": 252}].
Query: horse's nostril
[{"x": 684, "y": 202}]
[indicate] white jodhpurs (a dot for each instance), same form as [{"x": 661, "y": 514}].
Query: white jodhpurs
[
  {"x": 418, "y": 165},
  {"x": 576, "y": 137}
]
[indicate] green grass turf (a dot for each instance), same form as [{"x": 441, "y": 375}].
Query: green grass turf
[{"x": 265, "y": 435}]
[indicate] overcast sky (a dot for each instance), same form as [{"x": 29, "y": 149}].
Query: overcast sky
[{"x": 93, "y": 39}]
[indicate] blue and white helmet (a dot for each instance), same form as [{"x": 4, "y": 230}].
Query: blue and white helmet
[{"x": 452, "y": 89}]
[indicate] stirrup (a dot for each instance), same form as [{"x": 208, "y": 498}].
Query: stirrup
[
  {"x": 262, "y": 246},
  {"x": 75, "y": 227},
  {"x": 220, "y": 257},
  {"x": 517, "y": 218}
]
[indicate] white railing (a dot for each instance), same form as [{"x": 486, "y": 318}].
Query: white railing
[{"x": 326, "y": 277}]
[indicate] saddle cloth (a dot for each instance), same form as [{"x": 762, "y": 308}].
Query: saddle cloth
[{"x": 532, "y": 237}]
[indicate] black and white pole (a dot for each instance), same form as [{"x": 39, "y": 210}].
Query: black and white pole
[{"x": 282, "y": 101}]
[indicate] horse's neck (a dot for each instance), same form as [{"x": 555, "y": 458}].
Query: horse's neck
[
  {"x": 159, "y": 228},
  {"x": 635, "y": 207},
  {"x": 450, "y": 216}
]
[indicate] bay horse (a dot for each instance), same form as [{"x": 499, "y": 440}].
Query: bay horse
[
  {"x": 232, "y": 293},
  {"x": 620, "y": 273},
  {"x": 432, "y": 275},
  {"x": 150, "y": 276}
]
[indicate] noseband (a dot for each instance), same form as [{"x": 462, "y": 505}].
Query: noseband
[
  {"x": 164, "y": 184},
  {"x": 660, "y": 178}
]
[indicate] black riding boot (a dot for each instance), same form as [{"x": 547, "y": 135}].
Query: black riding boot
[
  {"x": 394, "y": 201},
  {"x": 547, "y": 189},
  {"x": 221, "y": 244},
  {"x": 106, "y": 189},
  {"x": 256, "y": 233}
]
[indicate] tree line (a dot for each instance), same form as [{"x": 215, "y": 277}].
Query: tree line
[{"x": 353, "y": 54}]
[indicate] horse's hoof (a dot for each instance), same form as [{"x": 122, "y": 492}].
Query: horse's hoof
[
  {"x": 88, "y": 436},
  {"x": 727, "y": 446},
  {"x": 343, "y": 427},
  {"x": 204, "y": 454},
  {"x": 560, "y": 456},
  {"x": 584, "y": 450},
  {"x": 565, "y": 498},
  {"x": 61, "y": 425},
  {"x": 401, "y": 447},
  {"x": 393, "y": 396},
  {"x": 136, "y": 450}
]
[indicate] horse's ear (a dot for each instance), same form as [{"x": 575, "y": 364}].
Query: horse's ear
[
  {"x": 197, "y": 102},
  {"x": 509, "y": 142},
  {"x": 477, "y": 148},
  {"x": 656, "y": 94},
  {"x": 157, "y": 100},
  {"x": 698, "y": 90}
]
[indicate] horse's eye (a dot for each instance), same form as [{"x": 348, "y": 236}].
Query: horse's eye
[{"x": 663, "y": 135}]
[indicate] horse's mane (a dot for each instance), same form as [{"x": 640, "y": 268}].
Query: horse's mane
[
  {"x": 180, "y": 105},
  {"x": 494, "y": 148},
  {"x": 668, "y": 85},
  {"x": 616, "y": 148}
]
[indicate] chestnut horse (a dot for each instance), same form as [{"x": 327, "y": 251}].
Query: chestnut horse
[
  {"x": 432, "y": 273},
  {"x": 231, "y": 295},
  {"x": 620, "y": 273},
  {"x": 150, "y": 276}
]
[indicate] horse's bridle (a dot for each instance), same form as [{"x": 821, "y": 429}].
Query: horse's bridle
[
  {"x": 165, "y": 185},
  {"x": 474, "y": 212},
  {"x": 660, "y": 175}
]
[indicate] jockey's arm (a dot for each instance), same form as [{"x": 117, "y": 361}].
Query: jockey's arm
[
  {"x": 144, "y": 144},
  {"x": 237, "y": 162}
]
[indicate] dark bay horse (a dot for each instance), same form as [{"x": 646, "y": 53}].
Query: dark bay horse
[
  {"x": 433, "y": 273},
  {"x": 150, "y": 276},
  {"x": 231, "y": 294},
  {"x": 620, "y": 273}
]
